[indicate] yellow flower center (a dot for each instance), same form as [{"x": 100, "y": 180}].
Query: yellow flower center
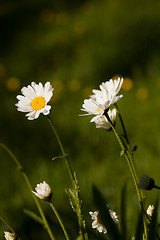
[
  {"x": 98, "y": 110},
  {"x": 38, "y": 103}
]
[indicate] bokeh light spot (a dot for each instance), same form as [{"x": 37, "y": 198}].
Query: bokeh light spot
[
  {"x": 62, "y": 18},
  {"x": 87, "y": 91},
  {"x": 12, "y": 84},
  {"x": 127, "y": 84},
  {"x": 74, "y": 85},
  {"x": 80, "y": 27},
  {"x": 47, "y": 15},
  {"x": 58, "y": 88},
  {"x": 142, "y": 93},
  {"x": 88, "y": 8}
]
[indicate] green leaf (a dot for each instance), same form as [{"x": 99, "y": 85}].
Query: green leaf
[
  {"x": 34, "y": 216},
  {"x": 123, "y": 212},
  {"x": 139, "y": 228},
  {"x": 80, "y": 237},
  {"x": 108, "y": 222}
]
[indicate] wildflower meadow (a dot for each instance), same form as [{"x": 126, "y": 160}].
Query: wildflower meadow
[{"x": 79, "y": 143}]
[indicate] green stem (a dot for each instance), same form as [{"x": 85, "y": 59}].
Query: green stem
[
  {"x": 20, "y": 168},
  {"x": 59, "y": 220},
  {"x": 122, "y": 123},
  {"x": 127, "y": 154},
  {"x": 7, "y": 224},
  {"x": 73, "y": 179},
  {"x": 62, "y": 149},
  {"x": 128, "y": 157}
]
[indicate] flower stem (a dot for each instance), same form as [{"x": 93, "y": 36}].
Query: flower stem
[
  {"x": 62, "y": 149},
  {"x": 59, "y": 220},
  {"x": 20, "y": 168},
  {"x": 127, "y": 154},
  {"x": 7, "y": 224},
  {"x": 122, "y": 123},
  {"x": 74, "y": 184}
]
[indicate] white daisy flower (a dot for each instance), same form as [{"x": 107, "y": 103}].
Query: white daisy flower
[
  {"x": 9, "y": 236},
  {"x": 112, "y": 86},
  {"x": 43, "y": 191},
  {"x": 150, "y": 210},
  {"x": 34, "y": 100},
  {"x": 102, "y": 99},
  {"x": 102, "y": 121},
  {"x": 97, "y": 223}
]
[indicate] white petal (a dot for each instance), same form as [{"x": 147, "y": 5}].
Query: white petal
[
  {"x": 28, "y": 92},
  {"x": 46, "y": 110}
]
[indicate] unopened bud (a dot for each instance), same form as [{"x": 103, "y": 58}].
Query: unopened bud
[{"x": 146, "y": 183}]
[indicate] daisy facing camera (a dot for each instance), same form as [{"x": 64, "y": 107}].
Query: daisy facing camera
[{"x": 34, "y": 100}]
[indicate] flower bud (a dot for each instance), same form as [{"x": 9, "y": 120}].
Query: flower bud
[
  {"x": 146, "y": 183},
  {"x": 43, "y": 191}
]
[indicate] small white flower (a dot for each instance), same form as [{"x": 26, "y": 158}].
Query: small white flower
[
  {"x": 97, "y": 223},
  {"x": 34, "y": 100},
  {"x": 43, "y": 191},
  {"x": 102, "y": 121},
  {"x": 9, "y": 236},
  {"x": 102, "y": 99},
  {"x": 150, "y": 210},
  {"x": 113, "y": 215}
]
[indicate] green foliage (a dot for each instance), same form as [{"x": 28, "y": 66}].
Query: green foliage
[
  {"x": 34, "y": 216},
  {"x": 76, "y": 204},
  {"x": 92, "y": 41}
]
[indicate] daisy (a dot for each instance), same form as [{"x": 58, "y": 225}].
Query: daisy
[
  {"x": 43, "y": 191},
  {"x": 97, "y": 223},
  {"x": 102, "y": 121},
  {"x": 102, "y": 99},
  {"x": 34, "y": 100},
  {"x": 9, "y": 236}
]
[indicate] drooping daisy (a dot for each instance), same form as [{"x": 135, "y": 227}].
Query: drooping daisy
[
  {"x": 102, "y": 99},
  {"x": 9, "y": 236},
  {"x": 112, "y": 86},
  {"x": 150, "y": 210},
  {"x": 97, "y": 223},
  {"x": 43, "y": 191},
  {"x": 34, "y": 100},
  {"x": 102, "y": 121}
]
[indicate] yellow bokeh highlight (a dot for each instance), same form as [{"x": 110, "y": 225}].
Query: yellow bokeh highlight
[
  {"x": 74, "y": 85},
  {"x": 80, "y": 27},
  {"x": 47, "y": 15},
  {"x": 116, "y": 77},
  {"x": 2, "y": 70},
  {"x": 88, "y": 8},
  {"x": 142, "y": 93},
  {"x": 12, "y": 84},
  {"x": 127, "y": 84},
  {"x": 62, "y": 18},
  {"x": 58, "y": 88},
  {"x": 87, "y": 91}
]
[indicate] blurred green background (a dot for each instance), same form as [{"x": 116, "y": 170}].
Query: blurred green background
[{"x": 76, "y": 45}]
